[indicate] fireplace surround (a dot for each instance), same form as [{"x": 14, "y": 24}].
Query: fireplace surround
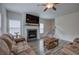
[{"x": 31, "y": 34}]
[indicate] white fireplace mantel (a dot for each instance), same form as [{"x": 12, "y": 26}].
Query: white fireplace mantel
[{"x": 32, "y": 27}]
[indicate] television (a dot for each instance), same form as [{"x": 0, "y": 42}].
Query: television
[{"x": 31, "y": 19}]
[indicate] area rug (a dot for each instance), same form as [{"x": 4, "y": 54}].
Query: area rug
[
  {"x": 39, "y": 48},
  {"x": 57, "y": 50}
]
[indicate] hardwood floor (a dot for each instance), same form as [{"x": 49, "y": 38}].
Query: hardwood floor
[{"x": 37, "y": 46}]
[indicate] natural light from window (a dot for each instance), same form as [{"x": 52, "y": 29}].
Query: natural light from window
[
  {"x": 41, "y": 28},
  {"x": 14, "y": 26}
]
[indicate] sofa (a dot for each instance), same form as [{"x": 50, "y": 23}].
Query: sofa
[
  {"x": 9, "y": 46},
  {"x": 72, "y": 48}
]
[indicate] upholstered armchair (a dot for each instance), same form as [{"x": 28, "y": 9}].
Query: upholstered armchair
[
  {"x": 72, "y": 48},
  {"x": 21, "y": 47}
]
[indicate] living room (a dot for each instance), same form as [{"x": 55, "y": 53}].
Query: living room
[{"x": 42, "y": 31}]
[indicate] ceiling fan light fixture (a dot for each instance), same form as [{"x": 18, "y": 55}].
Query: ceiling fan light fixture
[{"x": 49, "y": 5}]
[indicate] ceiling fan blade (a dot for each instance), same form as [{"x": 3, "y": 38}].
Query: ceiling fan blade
[
  {"x": 41, "y": 5},
  {"x": 54, "y": 8},
  {"x": 56, "y": 3},
  {"x": 45, "y": 9}
]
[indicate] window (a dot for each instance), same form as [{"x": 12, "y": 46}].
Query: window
[
  {"x": 41, "y": 28},
  {"x": 14, "y": 26},
  {"x": 0, "y": 23}
]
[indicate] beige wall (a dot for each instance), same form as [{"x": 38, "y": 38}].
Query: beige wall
[
  {"x": 48, "y": 26},
  {"x": 68, "y": 26}
]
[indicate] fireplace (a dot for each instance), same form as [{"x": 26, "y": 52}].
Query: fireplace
[{"x": 31, "y": 34}]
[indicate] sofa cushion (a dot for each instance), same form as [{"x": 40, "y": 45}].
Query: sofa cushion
[
  {"x": 27, "y": 51},
  {"x": 4, "y": 49},
  {"x": 74, "y": 49},
  {"x": 9, "y": 35},
  {"x": 7, "y": 40},
  {"x": 21, "y": 46}
]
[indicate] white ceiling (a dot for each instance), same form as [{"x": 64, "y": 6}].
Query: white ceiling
[{"x": 32, "y": 8}]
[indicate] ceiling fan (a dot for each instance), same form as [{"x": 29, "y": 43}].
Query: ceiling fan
[{"x": 49, "y": 6}]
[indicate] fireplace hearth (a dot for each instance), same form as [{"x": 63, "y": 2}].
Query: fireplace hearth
[{"x": 31, "y": 34}]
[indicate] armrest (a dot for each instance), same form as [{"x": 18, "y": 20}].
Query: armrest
[
  {"x": 19, "y": 40},
  {"x": 26, "y": 51}
]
